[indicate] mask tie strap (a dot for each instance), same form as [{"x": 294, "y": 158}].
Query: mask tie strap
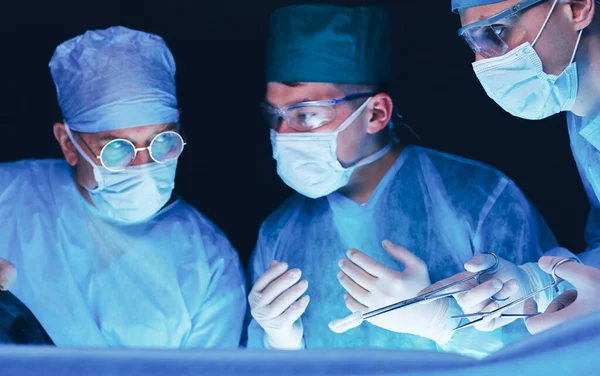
[
  {"x": 544, "y": 24},
  {"x": 576, "y": 46}
]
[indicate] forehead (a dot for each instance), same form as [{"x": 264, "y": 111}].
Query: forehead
[
  {"x": 281, "y": 95},
  {"x": 482, "y": 12},
  {"x": 135, "y": 133}
]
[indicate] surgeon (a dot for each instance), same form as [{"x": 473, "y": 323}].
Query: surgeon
[
  {"x": 537, "y": 58},
  {"x": 106, "y": 255},
  {"x": 374, "y": 222}
]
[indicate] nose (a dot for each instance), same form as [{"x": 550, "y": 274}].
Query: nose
[{"x": 142, "y": 157}]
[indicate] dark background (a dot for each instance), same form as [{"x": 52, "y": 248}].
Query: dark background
[{"x": 227, "y": 171}]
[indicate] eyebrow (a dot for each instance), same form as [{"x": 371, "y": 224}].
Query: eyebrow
[{"x": 111, "y": 136}]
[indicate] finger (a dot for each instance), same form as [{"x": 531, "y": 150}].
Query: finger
[
  {"x": 546, "y": 321},
  {"x": 8, "y": 274},
  {"x": 411, "y": 262},
  {"x": 277, "y": 287},
  {"x": 480, "y": 262},
  {"x": 487, "y": 324},
  {"x": 294, "y": 312},
  {"x": 562, "y": 301},
  {"x": 357, "y": 274},
  {"x": 469, "y": 284},
  {"x": 581, "y": 276},
  {"x": 369, "y": 265},
  {"x": 353, "y": 305},
  {"x": 480, "y": 294},
  {"x": 285, "y": 300},
  {"x": 530, "y": 307},
  {"x": 274, "y": 271},
  {"x": 357, "y": 292},
  {"x": 546, "y": 263},
  {"x": 347, "y": 323},
  {"x": 510, "y": 288}
]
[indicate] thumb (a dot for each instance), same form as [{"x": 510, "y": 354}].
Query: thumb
[
  {"x": 530, "y": 307},
  {"x": 581, "y": 276},
  {"x": 546, "y": 263},
  {"x": 480, "y": 262},
  {"x": 8, "y": 274},
  {"x": 411, "y": 262}
]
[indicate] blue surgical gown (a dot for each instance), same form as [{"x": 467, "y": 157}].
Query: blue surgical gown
[
  {"x": 585, "y": 144},
  {"x": 173, "y": 282},
  {"x": 443, "y": 208}
]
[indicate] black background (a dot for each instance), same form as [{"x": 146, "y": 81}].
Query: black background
[{"x": 227, "y": 171}]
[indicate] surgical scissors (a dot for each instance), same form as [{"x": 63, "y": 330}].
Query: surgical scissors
[
  {"x": 434, "y": 295},
  {"x": 497, "y": 311}
]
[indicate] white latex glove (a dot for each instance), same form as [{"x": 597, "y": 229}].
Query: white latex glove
[
  {"x": 570, "y": 304},
  {"x": 372, "y": 285},
  {"x": 275, "y": 306},
  {"x": 8, "y": 274},
  {"x": 508, "y": 283}
]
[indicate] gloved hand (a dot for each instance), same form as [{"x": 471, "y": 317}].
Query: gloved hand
[
  {"x": 8, "y": 274},
  {"x": 275, "y": 306},
  {"x": 570, "y": 304},
  {"x": 372, "y": 285},
  {"x": 507, "y": 284}
]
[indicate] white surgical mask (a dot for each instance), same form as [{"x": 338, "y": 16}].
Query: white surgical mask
[
  {"x": 134, "y": 194},
  {"x": 518, "y": 83},
  {"x": 308, "y": 162}
]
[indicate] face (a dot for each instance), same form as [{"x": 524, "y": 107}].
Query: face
[
  {"x": 557, "y": 41},
  {"x": 141, "y": 137},
  {"x": 356, "y": 140}
]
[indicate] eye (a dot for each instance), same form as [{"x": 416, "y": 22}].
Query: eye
[
  {"x": 312, "y": 119},
  {"x": 499, "y": 30}
]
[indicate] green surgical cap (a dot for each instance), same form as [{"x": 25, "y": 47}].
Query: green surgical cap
[{"x": 328, "y": 43}]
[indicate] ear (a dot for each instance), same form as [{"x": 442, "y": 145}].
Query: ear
[
  {"x": 582, "y": 12},
  {"x": 381, "y": 108},
  {"x": 65, "y": 143}
]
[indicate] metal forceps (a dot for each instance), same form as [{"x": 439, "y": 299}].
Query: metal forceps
[
  {"x": 498, "y": 311},
  {"x": 435, "y": 294}
]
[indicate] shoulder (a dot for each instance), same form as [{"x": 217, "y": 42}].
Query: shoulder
[
  {"x": 467, "y": 181},
  {"x": 32, "y": 177}
]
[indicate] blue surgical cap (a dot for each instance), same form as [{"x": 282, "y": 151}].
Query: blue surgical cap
[
  {"x": 114, "y": 79},
  {"x": 457, "y": 4}
]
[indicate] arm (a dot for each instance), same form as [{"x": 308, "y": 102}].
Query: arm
[
  {"x": 512, "y": 229},
  {"x": 219, "y": 320},
  {"x": 591, "y": 256}
]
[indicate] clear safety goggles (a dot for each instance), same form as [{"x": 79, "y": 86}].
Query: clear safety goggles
[
  {"x": 306, "y": 116},
  {"x": 492, "y": 37},
  {"x": 120, "y": 153}
]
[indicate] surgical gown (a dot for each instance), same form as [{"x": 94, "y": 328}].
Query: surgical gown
[
  {"x": 172, "y": 282},
  {"x": 443, "y": 208},
  {"x": 585, "y": 144}
]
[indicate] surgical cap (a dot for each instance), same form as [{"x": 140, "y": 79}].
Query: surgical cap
[
  {"x": 114, "y": 79},
  {"x": 457, "y": 4},
  {"x": 328, "y": 43}
]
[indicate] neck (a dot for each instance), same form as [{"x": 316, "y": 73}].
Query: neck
[
  {"x": 366, "y": 178},
  {"x": 588, "y": 70}
]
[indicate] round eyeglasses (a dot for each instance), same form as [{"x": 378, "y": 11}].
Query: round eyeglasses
[{"x": 120, "y": 153}]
